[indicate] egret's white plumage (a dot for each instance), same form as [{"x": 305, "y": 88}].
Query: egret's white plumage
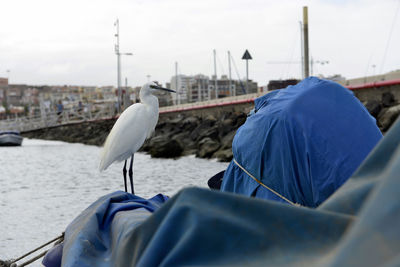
[{"x": 132, "y": 128}]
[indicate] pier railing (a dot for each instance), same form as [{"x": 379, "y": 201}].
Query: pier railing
[
  {"x": 52, "y": 119},
  {"x": 233, "y": 100}
]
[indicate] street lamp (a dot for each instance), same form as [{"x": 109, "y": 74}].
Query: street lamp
[{"x": 119, "y": 54}]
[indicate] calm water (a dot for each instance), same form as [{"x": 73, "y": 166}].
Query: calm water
[{"x": 46, "y": 184}]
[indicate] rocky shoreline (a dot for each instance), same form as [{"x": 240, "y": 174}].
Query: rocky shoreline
[{"x": 207, "y": 136}]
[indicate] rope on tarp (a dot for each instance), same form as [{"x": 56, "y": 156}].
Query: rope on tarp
[
  {"x": 13, "y": 262},
  {"x": 261, "y": 183}
]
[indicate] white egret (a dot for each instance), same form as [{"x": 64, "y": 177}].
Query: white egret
[{"x": 131, "y": 129}]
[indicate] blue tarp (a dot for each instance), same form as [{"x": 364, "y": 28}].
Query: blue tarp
[
  {"x": 303, "y": 142},
  {"x": 315, "y": 152},
  {"x": 357, "y": 226}
]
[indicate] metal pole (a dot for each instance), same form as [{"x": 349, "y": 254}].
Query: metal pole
[
  {"x": 178, "y": 99},
  {"x": 215, "y": 74},
  {"x": 302, "y": 50},
  {"x": 247, "y": 76},
  {"x": 125, "y": 102},
  {"x": 199, "y": 90},
  {"x": 118, "y": 66},
  {"x": 305, "y": 32},
  {"x": 230, "y": 76}
]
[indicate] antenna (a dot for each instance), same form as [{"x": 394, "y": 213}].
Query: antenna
[
  {"x": 118, "y": 53},
  {"x": 215, "y": 74}
]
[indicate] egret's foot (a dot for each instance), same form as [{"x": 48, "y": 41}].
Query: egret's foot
[
  {"x": 131, "y": 174},
  {"x": 124, "y": 173}
]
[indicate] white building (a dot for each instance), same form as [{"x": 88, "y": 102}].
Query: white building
[{"x": 181, "y": 84}]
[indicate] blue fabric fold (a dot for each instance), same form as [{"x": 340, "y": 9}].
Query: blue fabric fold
[
  {"x": 356, "y": 226},
  {"x": 96, "y": 234},
  {"x": 303, "y": 142}
]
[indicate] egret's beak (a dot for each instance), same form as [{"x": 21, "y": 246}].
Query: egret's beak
[{"x": 161, "y": 88}]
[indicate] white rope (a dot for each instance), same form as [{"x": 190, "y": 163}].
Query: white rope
[{"x": 259, "y": 182}]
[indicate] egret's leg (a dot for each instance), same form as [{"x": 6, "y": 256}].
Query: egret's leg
[
  {"x": 124, "y": 172},
  {"x": 131, "y": 174}
]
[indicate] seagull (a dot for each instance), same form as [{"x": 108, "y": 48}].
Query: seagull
[{"x": 131, "y": 129}]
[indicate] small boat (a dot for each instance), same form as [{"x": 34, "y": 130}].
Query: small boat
[{"x": 10, "y": 138}]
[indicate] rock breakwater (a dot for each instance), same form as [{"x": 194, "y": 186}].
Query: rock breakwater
[{"x": 185, "y": 134}]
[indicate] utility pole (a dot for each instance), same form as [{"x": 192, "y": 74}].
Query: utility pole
[
  {"x": 302, "y": 50},
  {"x": 118, "y": 53},
  {"x": 199, "y": 89},
  {"x": 305, "y": 38},
  {"x": 126, "y": 97},
  {"x": 230, "y": 76},
  {"x": 247, "y": 57},
  {"x": 215, "y": 74}
]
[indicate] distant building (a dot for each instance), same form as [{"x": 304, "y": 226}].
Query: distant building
[
  {"x": 3, "y": 81},
  {"x": 280, "y": 84},
  {"x": 222, "y": 88},
  {"x": 199, "y": 89},
  {"x": 181, "y": 84},
  {"x": 14, "y": 94},
  {"x": 30, "y": 96}
]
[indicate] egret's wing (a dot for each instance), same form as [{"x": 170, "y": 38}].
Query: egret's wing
[
  {"x": 152, "y": 125},
  {"x": 127, "y": 135}
]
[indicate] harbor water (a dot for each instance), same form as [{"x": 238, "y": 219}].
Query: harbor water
[{"x": 46, "y": 184}]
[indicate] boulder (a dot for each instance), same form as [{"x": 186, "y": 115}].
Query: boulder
[
  {"x": 226, "y": 126},
  {"x": 176, "y": 120},
  {"x": 373, "y": 107},
  {"x": 184, "y": 139},
  {"x": 207, "y": 147},
  {"x": 204, "y": 130},
  {"x": 226, "y": 141},
  {"x": 163, "y": 147},
  {"x": 388, "y": 99},
  {"x": 240, "y": 118},
  {"x": 210, "y": 132},
  {"x": 387, "y": 118},
  {"x": 190, "y": 123},
  {"x": 224, "y": 155},
  {"x": 210, "y": 120}
]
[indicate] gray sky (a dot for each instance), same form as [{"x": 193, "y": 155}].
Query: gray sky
[{"x": 60, "y": 42}]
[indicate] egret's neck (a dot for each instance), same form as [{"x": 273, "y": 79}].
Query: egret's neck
[{"x": 150, "y": 101}]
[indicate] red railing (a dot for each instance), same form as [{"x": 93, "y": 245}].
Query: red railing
[
  {"x": 374, "y": 84},
  {"x": 251, "y": 99}
]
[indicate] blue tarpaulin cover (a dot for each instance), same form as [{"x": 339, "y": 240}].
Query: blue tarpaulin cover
[
  {"x": 303, "y": 142},
  {"x": 357, "y": 226}
]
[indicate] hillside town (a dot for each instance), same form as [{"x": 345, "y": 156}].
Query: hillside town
[{"x": 30, "y": 100}]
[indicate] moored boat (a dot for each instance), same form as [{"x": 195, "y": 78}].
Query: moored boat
[{"x": 10, "y": 138}]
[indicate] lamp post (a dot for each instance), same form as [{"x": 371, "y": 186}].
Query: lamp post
[{"x": 119, "y": 54}]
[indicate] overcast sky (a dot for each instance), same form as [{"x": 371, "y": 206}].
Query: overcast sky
[{"x": 71, "y": 42}]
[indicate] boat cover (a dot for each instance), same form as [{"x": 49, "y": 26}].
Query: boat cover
[
  {"x": 302, "y": 142},
  {"x": 357, "y": 226}
]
